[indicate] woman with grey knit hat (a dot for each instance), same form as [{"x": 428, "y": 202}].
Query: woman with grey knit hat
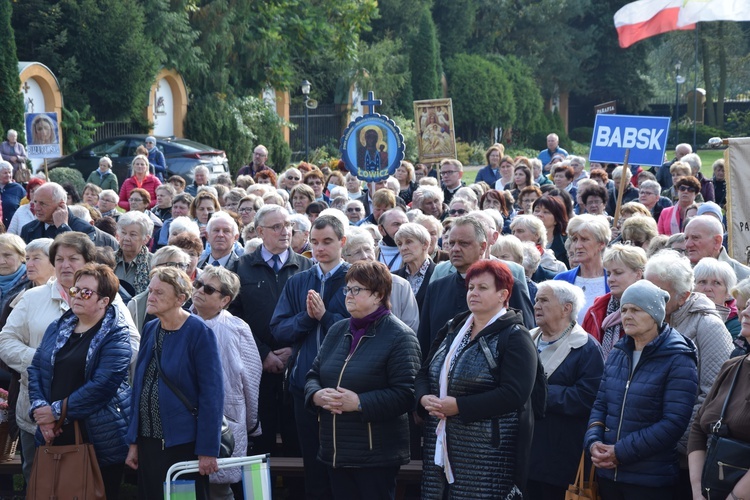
[{"x": 645, "y": 401}]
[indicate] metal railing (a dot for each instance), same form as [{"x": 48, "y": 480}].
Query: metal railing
[
  {"x": 112, "y": 129},
  {"x": 325, "y": 124}
]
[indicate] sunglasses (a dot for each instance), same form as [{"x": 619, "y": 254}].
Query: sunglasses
[
  {"x": 688, "y": 188},
  {"x": 458, "y": 211},
  {"x": 208, "y": 289},
  {"x": 84, "y": 293},
  {"x": 292, "y": 178},
  {"x": 352, "y": 210}
]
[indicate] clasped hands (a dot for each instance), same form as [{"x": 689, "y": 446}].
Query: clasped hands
[
  {"x": 337, "y": 401},
  {"x": 46, "y": 421},
  {"x": 603, "y": 455},
  {"x": 441, "y": 408}
]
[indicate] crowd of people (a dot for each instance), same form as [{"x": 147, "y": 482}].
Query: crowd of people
[{"x": 496, "y": 331}]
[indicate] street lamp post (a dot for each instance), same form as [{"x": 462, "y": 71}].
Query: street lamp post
[
  {"x": 678, "y": 79},
  {"x": 306, "y": 92}
]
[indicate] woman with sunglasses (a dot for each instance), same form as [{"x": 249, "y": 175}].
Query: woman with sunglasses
[
  {"x": 169, "y": 256},
  {"x": 35, "y": 311},
  {"x": 672, "y": 219},
  {"x": 240, "y": 361},
  {"x": 80, "y": 371},
  {"x": 177, "y": 347}
]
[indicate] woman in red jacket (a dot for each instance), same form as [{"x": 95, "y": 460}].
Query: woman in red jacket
[
  {"x": 624, "y": 265},
  {"x": 141, "y": 179}
]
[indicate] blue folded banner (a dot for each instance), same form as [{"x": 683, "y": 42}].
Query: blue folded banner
[{"x": 644, "y": 136}]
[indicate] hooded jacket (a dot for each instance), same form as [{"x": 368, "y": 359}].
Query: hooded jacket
[{"x": 645, "y": 411}]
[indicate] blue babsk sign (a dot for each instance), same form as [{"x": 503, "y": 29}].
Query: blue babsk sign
[{"x": 644, "y": 136}]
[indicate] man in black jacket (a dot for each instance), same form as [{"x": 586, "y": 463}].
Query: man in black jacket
[
  {"x": 52, "y": 215},
  {"x": 446, "y": 297},
  {"x": 263, "y": 275}
]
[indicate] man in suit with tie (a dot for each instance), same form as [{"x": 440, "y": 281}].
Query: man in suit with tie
[
  {"x": 263, "y": 275},
  {"x": 221, "y": 234},
  {"x": 52, "y": 215}
]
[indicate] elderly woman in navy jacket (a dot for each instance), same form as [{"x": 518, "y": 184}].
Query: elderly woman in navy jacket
[
  {"x": 163, "y": 431},
  {"x": 84, "y": 359},
  {"x": 573, "y": 364},
  {"x": 644, "y": 403}
]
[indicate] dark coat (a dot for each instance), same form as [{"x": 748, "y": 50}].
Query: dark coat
[
  {"x": 190, "y": 360},
  {"x": 11, "y": 196},
  {"x": 446, "y": 298},
  {"x": 423, "y": 288},
  {"x": 231, "y": 263},
  {"x": 35, "y": 229},
  {"x": 260, "y": 289},
  {"x": 489, "y": 439},
  {"x": 558, "y": 437},
  {"x": 103, "y": 402},
  {"x": 644, "y": 414},
  {"x": 630, "y": 194},
  {"x": 291, "y": 325},
  {"x": 381, "y": 371}
]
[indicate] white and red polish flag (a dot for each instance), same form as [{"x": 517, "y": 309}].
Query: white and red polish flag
[{"x": 645, "y": 18}]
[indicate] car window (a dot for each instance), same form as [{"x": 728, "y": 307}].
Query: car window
[
  {"x": 170, "y": 149},
  {"x": 191, "y": 146},
  {"x": 113, "y": 149}
]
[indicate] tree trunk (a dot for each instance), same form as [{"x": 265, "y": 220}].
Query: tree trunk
[
  {"x": 722, "y": 78},
  {"x": 710, "y": 115}
]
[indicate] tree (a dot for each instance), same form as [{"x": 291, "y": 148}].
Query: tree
[
  {"x": 425, "y": 56},
  {"x": 482, "y": 95},
  {"x": 11, "y": 101},
  {"x": 455, "y": 23},
  {"x": 168, "y": 27},
  {"x": 384, "y": 68},
  {"x": 526, "y": 93}
]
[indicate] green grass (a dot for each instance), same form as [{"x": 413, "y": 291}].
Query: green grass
[{"x": 708, "y": 157}]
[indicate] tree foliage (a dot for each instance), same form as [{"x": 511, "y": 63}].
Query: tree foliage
[
  {"x": 455, "y": 20},
  {"x": 169, "y": 30},
  {"x": 109, "y": 64},
  {"x": 526, "y": 95},
  {"x": 482, "y": 95},
  {"x": 236, "y": 126},
  {"x": 425, "y": 60},
  {"x": 384, "y": 68},
  {"x": 11, "y": 102}
]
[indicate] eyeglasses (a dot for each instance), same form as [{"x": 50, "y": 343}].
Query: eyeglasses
[
  {"x": 354, "y": 289},
  {"x": 246, "y": 210},
  {"x": 648, "y": 193},
  {"x": 458, "y": 211},
  {"x": 84, "y": 293},
  {"x": 178, "y": 265},
  {"x": 688, "y": 188},
  {"x": 353, "y": 209},
  {"x": 314, "y": 183},
  {"x": 448, "y": 172},
  {"x": 207, "y": 289},
  {"x": 277, "y": 228},
  {"x": 289, "y": 177},
  {"x": 136, "y": 200}
]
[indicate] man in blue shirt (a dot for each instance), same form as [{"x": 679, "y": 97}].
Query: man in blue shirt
[{"x": 553, "y": 148}]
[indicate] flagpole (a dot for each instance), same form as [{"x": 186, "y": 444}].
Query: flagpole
[{"x": 695, "y": 92}]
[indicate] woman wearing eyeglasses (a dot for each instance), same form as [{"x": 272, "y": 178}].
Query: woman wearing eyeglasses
[
  {"x": 240, "y": 361},
  {"x": 36, "y": 309},
  {"x": 362, "y": 386},
  {"x": 79, "y": 373},
  {"x": 180, "y": 348},
  {"x": 672, "y": 219}
]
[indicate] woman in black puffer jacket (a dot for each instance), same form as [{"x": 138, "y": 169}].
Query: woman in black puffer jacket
[
  {"x": 476, "y": 385},
  {"x": 362, "y": 386}
]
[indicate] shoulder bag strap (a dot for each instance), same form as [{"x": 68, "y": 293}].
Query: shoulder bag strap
[
  {"x": 192, "y": 409},
  {"x": 715, "y": 428}
]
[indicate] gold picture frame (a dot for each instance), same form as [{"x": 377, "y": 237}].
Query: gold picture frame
[{"x": 436, "y": 137}]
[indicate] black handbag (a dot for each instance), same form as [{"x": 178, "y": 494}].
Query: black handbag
[
  {"x": 727, "y": 459},
  {"x": 226, "y": 445}
]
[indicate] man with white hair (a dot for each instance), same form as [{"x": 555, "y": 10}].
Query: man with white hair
[
  {"x": 221, "y": 234},
  {"x": 260, "y": 156},
  {"x": 200, "y": 178},
  {"x": 703, "y": 238},
  {"x": 52, "y": 215}
]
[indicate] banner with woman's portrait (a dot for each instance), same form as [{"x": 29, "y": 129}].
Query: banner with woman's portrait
[
  {"x": 436, "y": 139},
  {"x": 43, "y": 135}
]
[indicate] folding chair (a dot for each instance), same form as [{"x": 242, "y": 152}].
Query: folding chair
[{"x": 256, "y": 475}]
